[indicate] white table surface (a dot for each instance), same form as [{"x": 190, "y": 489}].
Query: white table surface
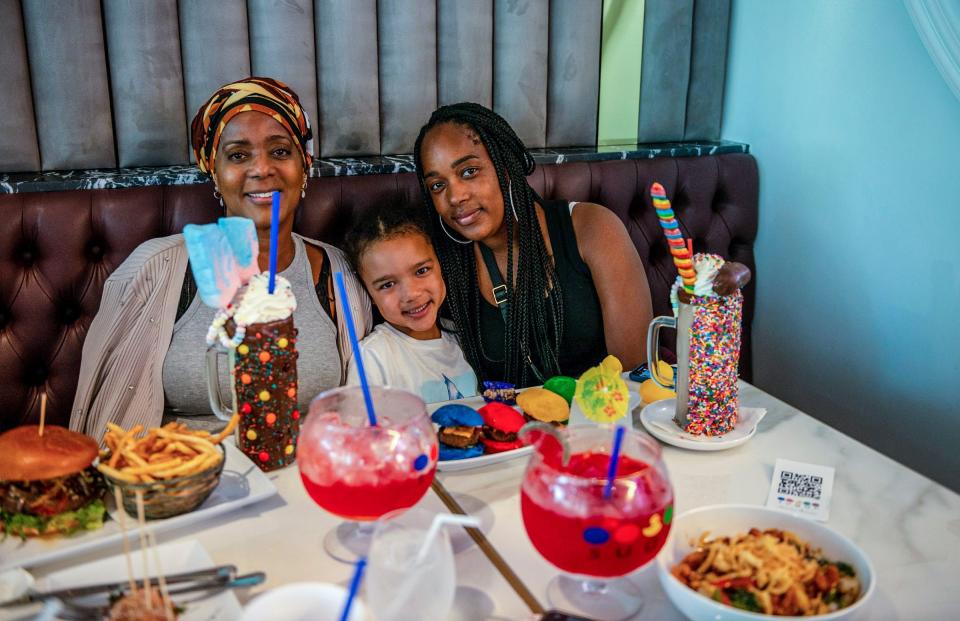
[{"x": 908, "y": 525}]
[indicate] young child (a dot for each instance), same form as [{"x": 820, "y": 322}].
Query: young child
[{"x": 391, "y": 253}]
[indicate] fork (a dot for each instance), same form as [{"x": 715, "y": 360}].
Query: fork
[{"x": 78, "y": 612}]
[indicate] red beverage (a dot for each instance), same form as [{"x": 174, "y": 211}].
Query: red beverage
[
  {"x": 577, "y": 529},
  {"x": 367, "y": 502}
]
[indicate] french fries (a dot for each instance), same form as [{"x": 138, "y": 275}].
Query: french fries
[{"x": 161, "y": 453}]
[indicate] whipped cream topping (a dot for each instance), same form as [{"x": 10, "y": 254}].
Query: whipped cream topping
[
  {"x": 254, "y": 305},
  {"x": 706, "y": 266}
]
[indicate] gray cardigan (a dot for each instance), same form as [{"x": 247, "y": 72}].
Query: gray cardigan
[{"x": 121, "y": 372}]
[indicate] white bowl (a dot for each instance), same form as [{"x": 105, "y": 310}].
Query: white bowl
[
  {"x": 729, "y": 520},
  {"x": 303, "y": 601}
]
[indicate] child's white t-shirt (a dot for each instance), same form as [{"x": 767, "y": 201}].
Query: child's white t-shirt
[{"x": 434, "y": 369}]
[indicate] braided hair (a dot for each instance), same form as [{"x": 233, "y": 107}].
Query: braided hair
[{"x": 534, "y": 323}]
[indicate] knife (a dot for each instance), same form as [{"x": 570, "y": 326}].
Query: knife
[{"x": 222, "y": 573}]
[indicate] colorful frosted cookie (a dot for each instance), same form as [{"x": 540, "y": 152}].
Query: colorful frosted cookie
[
  {"x": 540, "y": 404},
  {"x": 460, "y": 431},
  {"x": 500, "y": 426},
  {"x": 563, "y": 386}
]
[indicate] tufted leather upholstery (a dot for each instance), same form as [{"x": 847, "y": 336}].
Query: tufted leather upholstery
[{"x": 57, "y": 248}]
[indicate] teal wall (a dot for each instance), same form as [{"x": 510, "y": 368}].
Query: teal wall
[{"x": 857, "y": 138}]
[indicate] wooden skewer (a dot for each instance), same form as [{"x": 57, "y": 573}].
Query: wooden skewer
[
  {"x": 141, "y": 523},
  {"x": 491, "y": 553},
  {"x": 164, "y": 593},
  {"x": 43, "y": 411},
  {"x": 118, "y": 498}
]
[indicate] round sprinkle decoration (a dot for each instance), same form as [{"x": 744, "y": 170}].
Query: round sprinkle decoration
[
  {"x": 243, "y": 349},
  {"x": 264, "y": 395},
  {"x": 292, "y": 392},
  {"x": 627, "y": 533},
  {"x": 264, "y": 456},
  {"x": 251, "y": 435},
  {"x": 420, "y": 462},
  {"x": 282, "y": 343},
  {"x": 271, "y": 418},
  {"x": 246, "y": 408},
  {"x": 596, "y": 535},
  {"x": 245, "y": 378},
  {"x": 264, "y": 356},
  {"x": 289, "y": 449},
  {"x": 296, "y": 415}
]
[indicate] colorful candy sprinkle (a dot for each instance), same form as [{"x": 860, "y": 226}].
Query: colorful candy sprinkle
[
  {"x": 271, "y": 418},
  {"x": 282, "y": 343},
  {"x": 596, "y": 535},
  {"x": 251, "y": 435},
  {"x": 289, "y": 449},
  {"x": 713, "y": 403},
  {"x": 243, "y": 349},
  {"x": 245, "y": 378},
  {"x": 264, "y": 357},
  {"x": 264, "y": 456},
  {"x": 264, "y": 395},
  {"x": 420, "y": 462}
]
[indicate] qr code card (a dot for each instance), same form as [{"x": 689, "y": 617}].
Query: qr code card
[{"x": 801, "y": 488}]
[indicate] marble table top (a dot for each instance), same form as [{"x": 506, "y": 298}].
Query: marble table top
[{"x": 907, "y": 524}]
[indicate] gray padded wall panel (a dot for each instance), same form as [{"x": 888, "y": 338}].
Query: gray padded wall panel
[
  {"x": 281, "y": 47},
  {"x": 17, "y": 126},
  {"x": 71, "y": 95},
  {"x": 465, "y": 51},
  {"x": 574, "y": 76},
  {"x": 215, "y": 49},
  {"x": 348, "y": 77},
  {"x": 711, "y": 23},
  {"x": 667, "y": 39},
  {"x": 408, "y": 70},
  {"x": 520, "y": 43},
  {"x": 146, "y": 80}
]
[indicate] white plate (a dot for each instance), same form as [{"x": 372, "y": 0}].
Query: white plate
[
  {"x": 175, "y": 557},
  {"x": 241, "y": 484},
  {"x": 657, "y": 418},
  {"x": 576, "y": 418},
  {"x": 452, "y": 465},
  {"x": 728, "y": 520}
]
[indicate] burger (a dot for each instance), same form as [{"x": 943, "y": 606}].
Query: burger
[{"x": 48, "y": 484}]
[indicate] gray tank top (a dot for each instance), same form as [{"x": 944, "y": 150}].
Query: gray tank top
[{"x": 318, "y": 367}]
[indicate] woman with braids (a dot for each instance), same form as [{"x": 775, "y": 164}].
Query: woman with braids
[
  {"x": 537, "y": 288},
  {"x": 145, "y": 350}
]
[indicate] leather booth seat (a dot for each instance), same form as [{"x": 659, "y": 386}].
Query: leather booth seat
[{"x": 58, "y": 248}]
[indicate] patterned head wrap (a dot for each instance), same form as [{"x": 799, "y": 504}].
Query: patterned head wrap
[{"x": 271, "y": 97}]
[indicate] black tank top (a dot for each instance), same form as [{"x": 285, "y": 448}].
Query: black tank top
[{"x": 582, "y": 343}]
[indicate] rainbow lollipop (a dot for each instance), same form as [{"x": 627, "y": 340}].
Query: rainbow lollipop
[{"x": 682, "y": 253}]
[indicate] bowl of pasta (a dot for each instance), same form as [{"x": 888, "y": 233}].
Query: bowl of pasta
[{"x": 740, "y": 563}]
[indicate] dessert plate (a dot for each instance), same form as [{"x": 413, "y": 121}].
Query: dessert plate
[
  {"x": 452, "y": 465},
  {"x": 241, "y": 484},
  {"x": 657, "y": 418},
  {"x": 576, "y": 418}
]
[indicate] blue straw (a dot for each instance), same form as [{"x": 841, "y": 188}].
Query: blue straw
[
  {"x": 355, "y": 344},
  {"x": 354, "y": 587},
  {"x": 614, "y": 458},
  {"x": 274, "y": 233}
]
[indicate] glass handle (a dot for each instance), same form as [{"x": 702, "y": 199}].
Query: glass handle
[
  {"x": 220, "y": 409},
  {"x": 653, "y": 349}
]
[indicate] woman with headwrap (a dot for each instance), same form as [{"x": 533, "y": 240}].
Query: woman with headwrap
[{"x": 144, "y": 354}]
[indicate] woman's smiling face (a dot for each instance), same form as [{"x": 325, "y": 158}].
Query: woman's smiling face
[
  {"x": 462, "y": 181},
  {"x": 256, "y": 156}
]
